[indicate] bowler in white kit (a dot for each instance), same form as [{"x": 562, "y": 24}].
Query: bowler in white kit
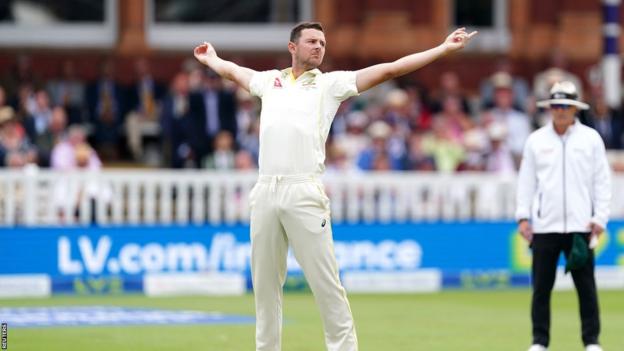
[{"x": 288, "y": 204}]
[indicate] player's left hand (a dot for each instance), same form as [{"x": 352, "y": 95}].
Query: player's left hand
[{"x": 458, "y": 39}]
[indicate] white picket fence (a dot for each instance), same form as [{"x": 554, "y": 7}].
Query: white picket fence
[{"x": 35, "y": 197}]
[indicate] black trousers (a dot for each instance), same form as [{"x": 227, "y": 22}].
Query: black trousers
[{"x": 546, "y": 251}]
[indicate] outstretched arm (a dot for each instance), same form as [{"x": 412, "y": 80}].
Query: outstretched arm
[
  {"x": 206, "y": 54},
  {"x": 368, "y": 77}
]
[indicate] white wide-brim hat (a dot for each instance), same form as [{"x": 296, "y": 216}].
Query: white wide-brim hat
[{"x": 563, "y": 93}]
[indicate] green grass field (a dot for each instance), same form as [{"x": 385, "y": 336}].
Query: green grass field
[{"x": 448, "y": 321}]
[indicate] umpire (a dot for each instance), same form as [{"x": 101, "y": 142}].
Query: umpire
[{"x": 564, "y": 192}]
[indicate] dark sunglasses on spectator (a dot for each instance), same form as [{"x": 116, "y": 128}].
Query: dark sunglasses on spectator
[{"x": 560, "y": 106}]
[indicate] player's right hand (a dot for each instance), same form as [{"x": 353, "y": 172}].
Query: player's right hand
[
  {"x": 204, "y": 52},
  {"x": 524, "y": 227}
]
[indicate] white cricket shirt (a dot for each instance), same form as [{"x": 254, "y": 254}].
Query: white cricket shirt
[
  {"x": 296, "y": 117},
  {"x": 564, "y": 181}
]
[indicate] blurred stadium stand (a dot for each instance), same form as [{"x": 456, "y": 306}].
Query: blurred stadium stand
[{"x": 117, "y": 81}]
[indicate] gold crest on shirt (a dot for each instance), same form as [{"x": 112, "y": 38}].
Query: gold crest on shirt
[{"x": 309, "y": 83}]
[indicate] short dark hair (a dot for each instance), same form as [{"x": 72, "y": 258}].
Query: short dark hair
[{"x": 295, "y": 33}]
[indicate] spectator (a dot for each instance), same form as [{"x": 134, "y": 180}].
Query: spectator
[
  {"x": 68, "y": 91},
  {"x": 37, "y": 123},
  {"x": 70, "y": 193},
  {"x": 336, "y": 160},
  {"x": 396, "y": 111},
  {"x": 449, "y": 86},
  {"x": 500, "y": 159},
  {"x": 17, "y": 76},
  {"x": 15, "y": 149},
  {"x": 219, "y": 110},
  {"x": 339, "y": 126},
  {"x": 64, "y": 153},
  {"x": 419, "y": 113},
  {"x": 396, "y": 115},
  {"x": 105, "y": 104},
  {"x": 251, "y": 141},
  {"x": 246, "y": 115},
  {"x": 26, "y": 103},
  {"x": 381, "y": 163},
  {"x": 377, "y": 155},
  {"x": 454, "y": 118},
  {"x": 354, "y": 140},
  {"x": 195, "y": 76},
  {"x": 182, "y": 124},
  {"x": 445, "y": 149},
  {"x": 476, "y": 144},
  {"x": 417, "y": 158},
  {"x": 516, "y": 123},
  {"x": 52, "y": 136},
  {"x": 144, "y": 96},
  {"x": 243, "y": 161},
  {"x": 605, "y": 120},
  {"x": 519, "y": 87},
  {"x": 223, "y": 156},
  {"x": 557, "y": 72},
  {"x": 538, "y": 117}
]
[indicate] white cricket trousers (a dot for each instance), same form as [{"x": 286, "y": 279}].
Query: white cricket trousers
[{"x": 295, "y": 210}]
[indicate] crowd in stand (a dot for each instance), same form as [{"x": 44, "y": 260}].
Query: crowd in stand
[{"x": 202, "y": 121}]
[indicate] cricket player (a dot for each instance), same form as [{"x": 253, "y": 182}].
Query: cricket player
[{"x": 288, "y": 204}]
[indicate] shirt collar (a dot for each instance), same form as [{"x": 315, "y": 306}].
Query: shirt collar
[
  {"x": 570, "y": 129},
  {"x": 287, "y": 73}
]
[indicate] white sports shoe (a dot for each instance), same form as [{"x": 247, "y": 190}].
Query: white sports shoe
[
  {"x": 538, "y": 347},
  {"x": 593, "y": 347}
]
